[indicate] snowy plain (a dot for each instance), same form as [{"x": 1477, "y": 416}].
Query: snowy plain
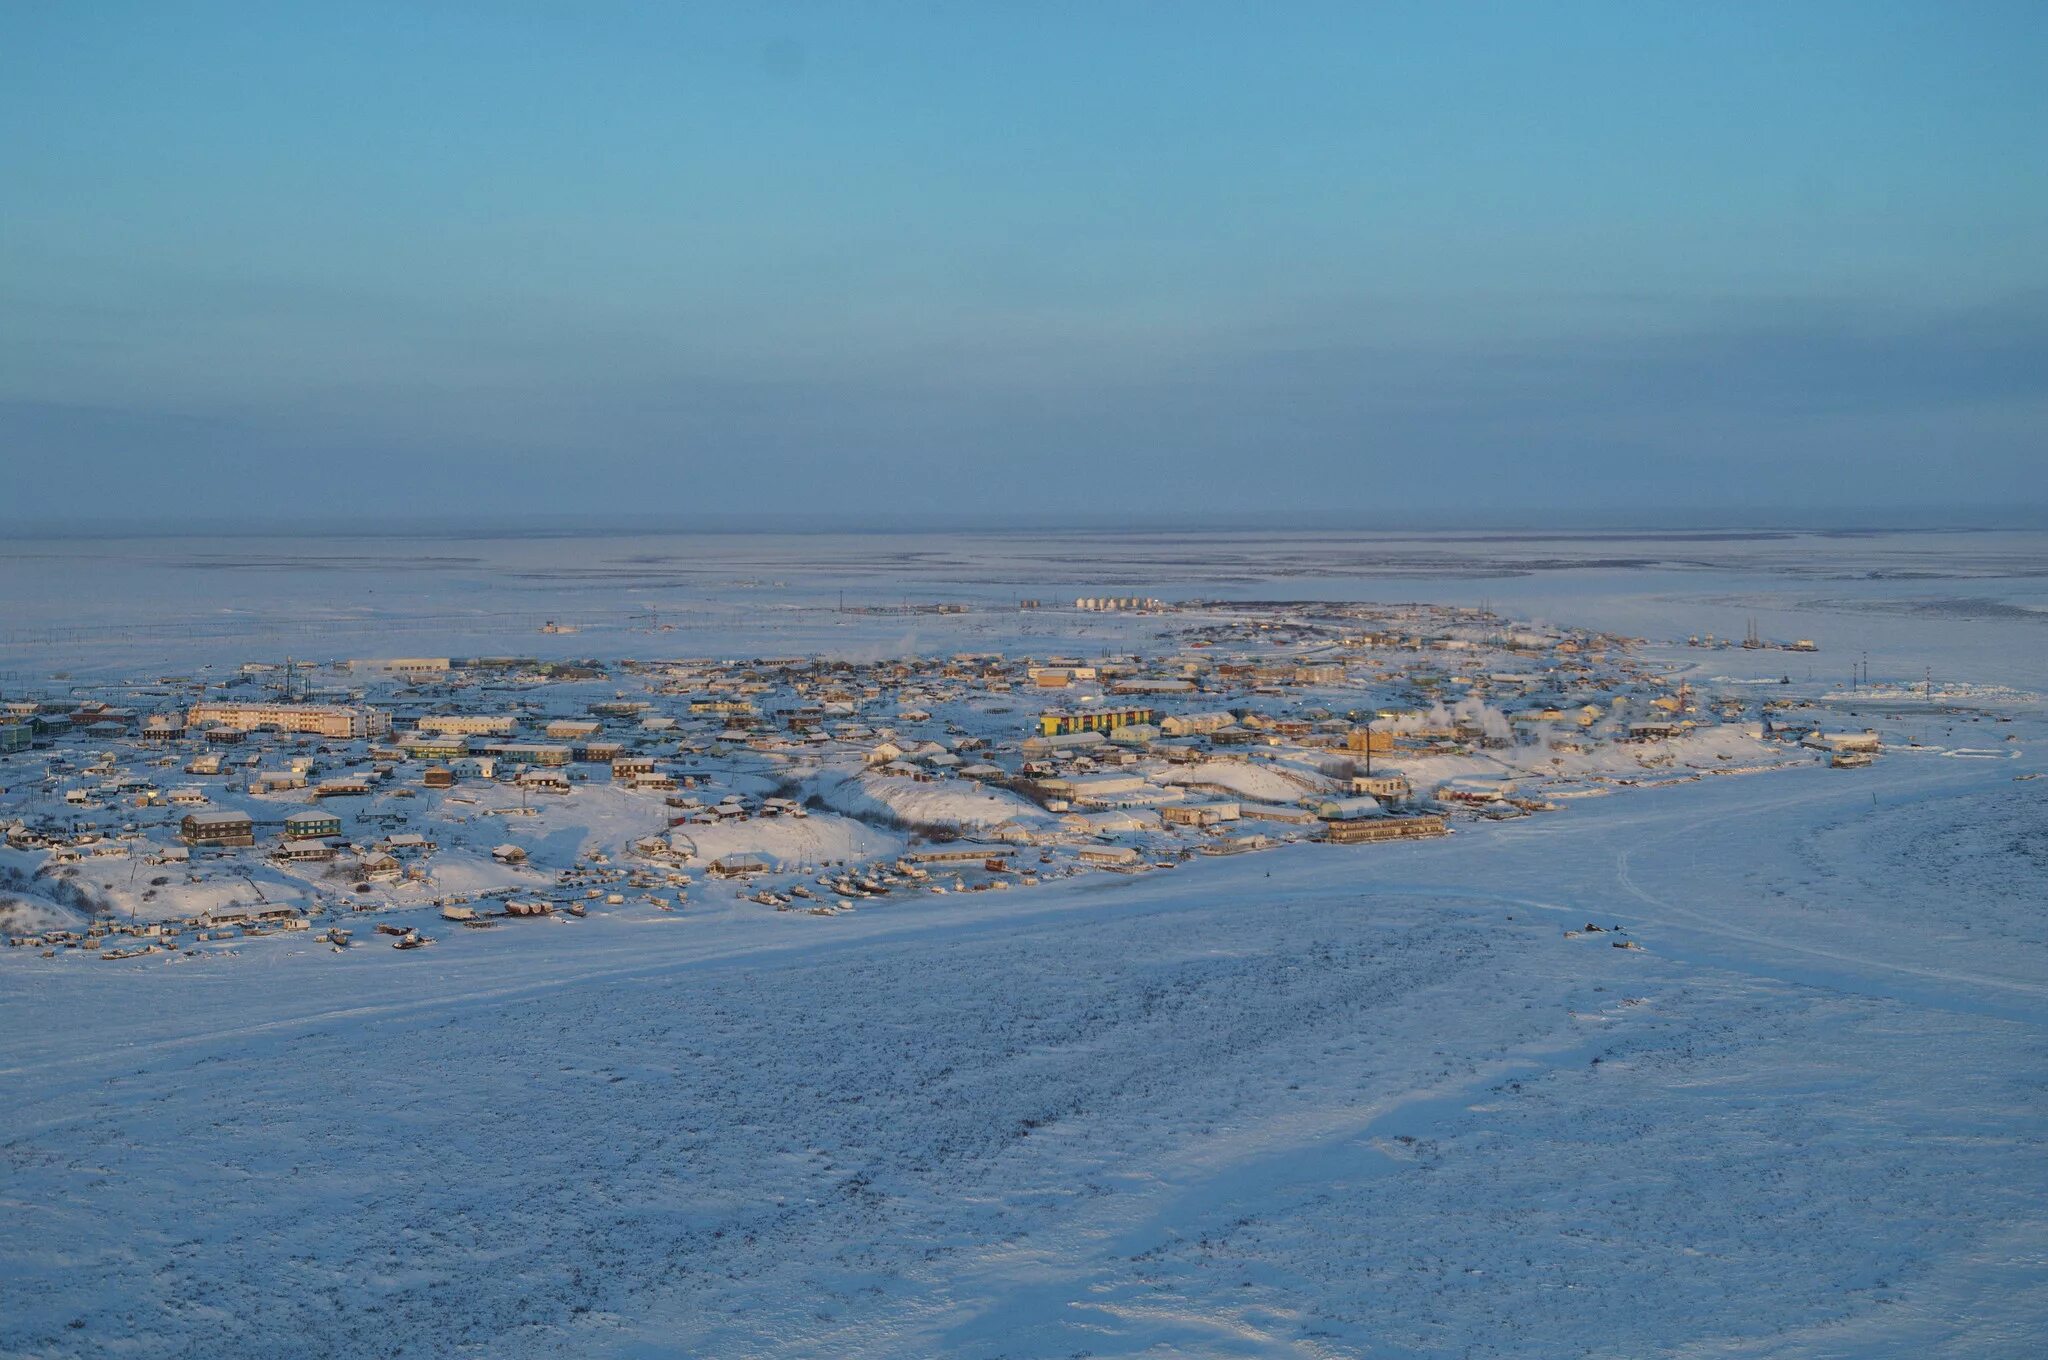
[{"x": 1323, "y": 1101}]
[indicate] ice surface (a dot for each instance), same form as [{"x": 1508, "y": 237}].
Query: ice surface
[{"x": 1320, "y": 1101}]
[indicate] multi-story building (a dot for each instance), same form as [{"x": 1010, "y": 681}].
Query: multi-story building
[
  {"x": 470, "y": 724},
  {"x": 324, "y": 720},
  {"x": 1057, "y": 722},
  {"x": 223, "y": 829},
  {"x": 311, "y": 825}
]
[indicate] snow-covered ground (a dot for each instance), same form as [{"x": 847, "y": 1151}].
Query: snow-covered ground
[
  {"x": 1388, "y": 1100},
  {"x": 953, "y": 803}
]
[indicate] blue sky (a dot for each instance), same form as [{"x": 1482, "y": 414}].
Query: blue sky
[{"x": 888, "y": 260}]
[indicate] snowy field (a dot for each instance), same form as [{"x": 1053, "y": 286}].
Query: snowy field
[{"x": 1322, "y": 1101}]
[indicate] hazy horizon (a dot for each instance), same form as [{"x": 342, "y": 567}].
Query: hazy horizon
[{"x": 1535, "y": 524}]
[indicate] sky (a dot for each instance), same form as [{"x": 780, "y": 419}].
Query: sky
[{"x": 873, "y": 262}]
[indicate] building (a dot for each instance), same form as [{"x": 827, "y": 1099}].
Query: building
[
  {"x": 343, "y": 721},
  {"x": 1364, "y": 740},
  {"x": 311, "y": 825},
  {"x": 470, "y": 724},
  {"x": 1866, "y": 741},
  {"x": 424, "y": 745},
  {"x": 531, "y": 753},
  {"x": 1072, "y": 742},
  {"x": 1383, "y": 829},
  {"x": 1196, "y": 724},
  {"x": 412, "y": 667},
  {"x": 342, "y": 786},
  {"x": 223, "y": 830},
  {"x": 1388, "y": 787},
  {"x": 1199, "y": 814},
  {"x": 1060, "y": 722}
]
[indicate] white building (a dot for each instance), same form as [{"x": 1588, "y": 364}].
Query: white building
[
  {"x": 470, "y": 724},
  {"x": 325, "y": 720}
]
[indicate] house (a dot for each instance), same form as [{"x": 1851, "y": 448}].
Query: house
[
  {"x": 508, "y": 854},
  {"x": 1655, "y": 730},
  {"x": 1388, "y": 786},
  {"x": 343, "y": 786}
]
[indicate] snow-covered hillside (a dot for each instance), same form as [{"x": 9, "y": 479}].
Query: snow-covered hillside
[{"x": 1311, "y": 1103}]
